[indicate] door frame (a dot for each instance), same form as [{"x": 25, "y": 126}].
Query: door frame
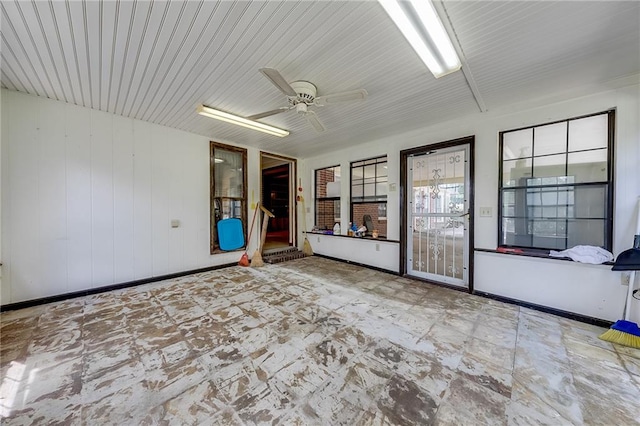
[
  {"x": 293, "y": 178},
  {"x": 404, "y": 155}
]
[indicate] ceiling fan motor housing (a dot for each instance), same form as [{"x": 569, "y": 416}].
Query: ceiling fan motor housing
[{"x": 306, "y": 93}]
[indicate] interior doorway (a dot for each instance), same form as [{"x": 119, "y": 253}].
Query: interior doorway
[{"x": 278, "y": 191}]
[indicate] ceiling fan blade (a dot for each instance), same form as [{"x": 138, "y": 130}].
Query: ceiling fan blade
[
  {"x": 268, "y": 113},
  {"x": 315, "y": 122},
  {"x": 278, "y": 80},
  {"x": 353, "y": 95}
]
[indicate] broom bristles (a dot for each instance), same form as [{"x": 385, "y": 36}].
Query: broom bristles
[
  {"x": 306, "y": 248},
  {"x": 621, "y": 338},
  {"x": 256, "y": 260}
]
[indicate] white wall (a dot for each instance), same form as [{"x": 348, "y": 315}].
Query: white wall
[
  {"x": 379, "y": 253},
  {"x": 554, "y": 283},
  {"x": 87, "y": 199}
]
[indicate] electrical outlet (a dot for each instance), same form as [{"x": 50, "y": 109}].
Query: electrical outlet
[
  {"x": 625, "y": 277},
  {"x": 486, "y": 211},
  {"x": 377, "y": 247},
  {"x": 318, "y": 239}
]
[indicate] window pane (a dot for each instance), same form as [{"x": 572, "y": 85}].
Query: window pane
[
  {"x": 517, "y": 144},
  {"x": 508, "y": 203},
  {"x": 590, "y": 202},
  {"x": 357, "y": 173},
  {"x": 357, "y": 191},
  {"x": 381, "y": 169},
  {"x": 327, "y": 213},
  {"x": 550, "y": 139},
  {"x": 586, "y": 232},
  {"x": 515, "y": 232},
  {"x": 381, "y": 188},
  {"x": 328, "y": 182},
  {"x": 228, "y": 174},
  {"x": 515, "y": 172},
  {"x": 589, "y": 133},
  {"x": 370, "y": 171},
  {"x": 588, "y": 166},
  {"x": 549, "y": 166},
  {"x": 369, "y": 189},
  {"x": 376, "y": 212}
]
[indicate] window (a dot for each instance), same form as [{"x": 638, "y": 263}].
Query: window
[
  {"x": 228, "y": 187},
  {"x": 556, "y": 184},
  {"x": 327, "y": 197},
  {"x": 369, "y": 194}
]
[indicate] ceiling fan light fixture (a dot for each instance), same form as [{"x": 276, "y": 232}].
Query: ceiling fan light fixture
[
  {"x": 241, "y": 121},
  {"x": 419, "y": 23}
]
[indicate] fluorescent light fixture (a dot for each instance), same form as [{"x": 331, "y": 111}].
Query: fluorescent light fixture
[
  {"x": 241, "y": 121},
  {"x": 419, "y": 23}
]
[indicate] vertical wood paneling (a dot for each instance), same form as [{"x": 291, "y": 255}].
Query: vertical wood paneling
[
  {"x": 79, "y": 236},
  {"x": 92, "y": 33},
  {"x": 142, "y": 207},
  {"x": 53, "y": 197},
  {"x": 123, "y": 170},
  {"x": 24, "y": 200},
  {"x": 195, "y": 196},
  {"x": 102, "y": 226},
  {"x": 5, "y": 242},
  {"x": 88, "y": 198},
  {"x": 175, "y": 195},
  {"x": 160, "y": 199}
]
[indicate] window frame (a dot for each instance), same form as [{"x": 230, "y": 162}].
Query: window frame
[
  {"x": 213, "y": 245},
  {"x": 608, "y": 185},
  {"x": 377, "y": 199},
  {"x": 318, "y": 199}
]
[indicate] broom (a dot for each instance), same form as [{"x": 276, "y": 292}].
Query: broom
[
  {"x": 306, "y": 246},
  {"x": 244, "y": 260},
  {"x": 626, "y": 332},
  {"x": 256, "y": 260}
]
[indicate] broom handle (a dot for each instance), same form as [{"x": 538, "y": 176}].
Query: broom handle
[
  {"x": 253, "y": 220},
  {"x": 632, "y": 275}
]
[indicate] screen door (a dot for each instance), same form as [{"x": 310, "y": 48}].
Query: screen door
[{"x": 438, "y": 215}]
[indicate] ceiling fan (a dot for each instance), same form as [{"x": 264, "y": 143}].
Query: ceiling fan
[{"x": 302, "y": 95}]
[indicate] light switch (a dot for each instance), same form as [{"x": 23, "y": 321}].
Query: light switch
[{"x": 392, "y": 187}]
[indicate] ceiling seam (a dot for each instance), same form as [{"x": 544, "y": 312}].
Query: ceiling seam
[
  {"x": 160, "y": 61},
  {"x": 100, "y": 30},
  {"x": 6, "y": 63},
  {"x": 124, "y": 56},
  {"x": 173, "y": 60},
  {"x": 46, "y": 43},
  {"x": 86, "y": 49},
  {"x": 75, "y": 51},
  {"x": 164, "y": 112},
  {"x": 113, "y": 52},
  {"x": 135, "y": 64},
  {"x": 24, "y": 50},
  {"x": 264, "y": 39},
  {"x": 466, "y": 70},
  {"x": 220, "y": 61},
  {"x": 150, "y": 56},
  {"x": 193, "y": 48},
  {"x": 64, "y": 59}
]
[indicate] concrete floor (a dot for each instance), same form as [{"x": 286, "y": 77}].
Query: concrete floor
[{"x": 309, "y": 342}]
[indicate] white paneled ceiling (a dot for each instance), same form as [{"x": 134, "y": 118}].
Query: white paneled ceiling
[{"x": 158, "y": 60}]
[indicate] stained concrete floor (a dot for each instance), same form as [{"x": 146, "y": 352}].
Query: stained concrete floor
[{"x": 307, "y": 342}]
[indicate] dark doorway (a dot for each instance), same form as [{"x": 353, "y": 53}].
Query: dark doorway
[{"x": 278, "y": 197}]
